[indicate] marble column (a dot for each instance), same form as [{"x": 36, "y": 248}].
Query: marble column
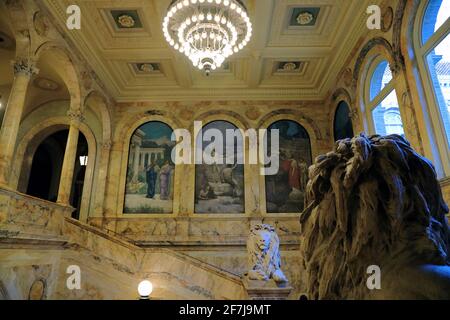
[
  {"x": 137, "y": 150},
  {"x": 65, "y": 184},
  {"x": 102, "y": 178},
  {"x": 23, "y": 71}
]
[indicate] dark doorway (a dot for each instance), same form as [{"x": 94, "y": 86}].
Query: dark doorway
[
  {"x": 343, "y": 127},
  {"x": 46, "y": 167},
  {"x": 81, "y": 162}
]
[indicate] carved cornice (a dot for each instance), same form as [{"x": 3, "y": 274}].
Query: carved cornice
[{"x": 24, "y": 67}]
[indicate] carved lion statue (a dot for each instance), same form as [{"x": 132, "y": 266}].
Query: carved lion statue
[
  {"x": 263, "y": 248},
  {"x": 374, "y": 201}
]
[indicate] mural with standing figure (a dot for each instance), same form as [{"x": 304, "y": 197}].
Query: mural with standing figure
[
  {"x": 285, "y": 191},
  {"x": 150, "y": 175}
]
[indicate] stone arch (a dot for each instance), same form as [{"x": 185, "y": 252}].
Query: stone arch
[
  {"x": 98, "y": 103},
  {"x": 20, "y": 24},
  {"x": 374, "y": 48},
  {"x": 225, "y": 115},
  {"x": 308, "y": 123},
  {"x": 376, "y": 45},
  {"x": 340, "y": 95},
  {"x": 63, "y": 63},
  {"x": 34, "y": 137}
]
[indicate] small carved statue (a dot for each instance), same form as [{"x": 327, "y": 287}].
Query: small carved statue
[{"x": 263, "y": 247}]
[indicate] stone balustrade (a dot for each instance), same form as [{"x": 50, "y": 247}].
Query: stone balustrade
[{"x": 24, "y": 218}]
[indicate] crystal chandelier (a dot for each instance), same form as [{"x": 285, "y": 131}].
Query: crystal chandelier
[{"x": 207, "y": 31}]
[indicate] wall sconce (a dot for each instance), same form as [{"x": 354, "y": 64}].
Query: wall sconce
[
  {"x": 145, "y": 289},
  {"x": 83, "y": 161}
]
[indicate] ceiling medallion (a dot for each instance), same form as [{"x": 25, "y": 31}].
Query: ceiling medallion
[
  {"x": 146, "y": 67},
  {"x": 46, "y": 84},
  {"x": 126, "y": 21},
  {"x": 305, "y": 18},
  {"x": 207, "y": 31},
  {"x": 289, "y": 66}
]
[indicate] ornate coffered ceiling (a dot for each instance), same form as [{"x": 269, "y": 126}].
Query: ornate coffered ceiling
[{"x": 296, "y": 53}]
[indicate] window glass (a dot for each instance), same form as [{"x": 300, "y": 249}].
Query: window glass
[
  {"x": 380, "y": 79},
  {"x": 438, "y": 62},
  {"x": 437, "y": 13},
  {"x": 386, "y": 116}
]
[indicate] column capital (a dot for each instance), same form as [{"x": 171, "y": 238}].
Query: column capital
[
  {"x": 75, "y": 116},
  {"x": 107, "y": 145},
  {"x": 353, "y": 114},
  {"x": 24, "y": 67}
]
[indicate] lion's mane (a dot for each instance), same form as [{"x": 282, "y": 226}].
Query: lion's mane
[
  {"x": 371, "y": 201},
  {"x": 264, "y": 263}
]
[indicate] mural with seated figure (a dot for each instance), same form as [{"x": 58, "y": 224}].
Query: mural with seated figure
[
  {"x": 150, "y": 175},
  {"x": 219, "y": 187},
  {"x": 285, "y": 191}
]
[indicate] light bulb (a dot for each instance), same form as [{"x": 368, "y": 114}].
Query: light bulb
[{"x": 145, "y": 289}]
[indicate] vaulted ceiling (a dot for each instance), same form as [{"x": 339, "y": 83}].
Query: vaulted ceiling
[{"x": 287, "y": 59}]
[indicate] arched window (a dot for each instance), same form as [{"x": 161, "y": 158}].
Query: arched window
[
  {"x": 381, "y": 104},
  {"x": 432, "y": 46},
  {"x": 285, "y": 191},
  {"x": 219, "y": 176},
  {"x": 150, "y": 175},
  {"x": 343, "y": 127}
]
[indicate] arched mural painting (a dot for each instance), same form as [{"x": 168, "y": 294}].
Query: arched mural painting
[
  {"x": 150, "y": 174},
  {"x": 285, "y": 191},
  {"x": 219, "y": 188}
]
